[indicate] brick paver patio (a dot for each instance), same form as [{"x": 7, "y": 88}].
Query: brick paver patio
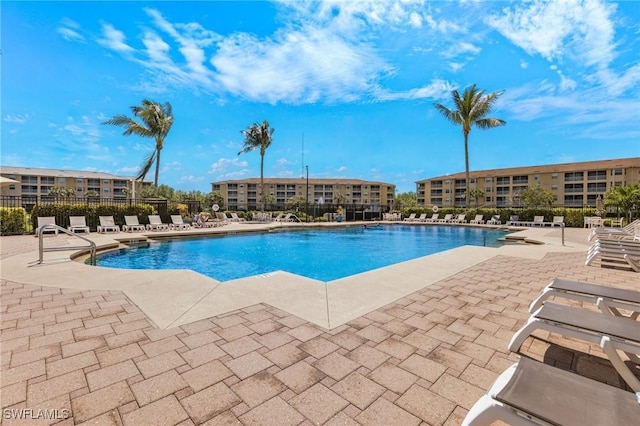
[{"x": 424, "y": 359}]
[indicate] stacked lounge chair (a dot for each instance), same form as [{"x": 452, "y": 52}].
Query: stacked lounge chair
[
  {"x": 532, "y": 392},
  {"x": 617, "y": 253}
]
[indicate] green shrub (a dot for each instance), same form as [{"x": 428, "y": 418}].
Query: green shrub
[
  {"x": 12, "y": 220},
  {"x": 91, "y": 212}
]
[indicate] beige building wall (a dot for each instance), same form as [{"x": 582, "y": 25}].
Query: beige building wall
[
  {"x": 36, "y": 183},
  {"x": 572, "y": 184},
  {"x": 245, "y": 194}
]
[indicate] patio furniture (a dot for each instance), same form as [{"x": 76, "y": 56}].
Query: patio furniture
[
  {"x": 434, "y": 218},
  {"x": 411, "y": 217},
  {"x": 446, "y": 219},
  {"x": 46, "y": 220},
  {"x": 156, "y": 224},
  {"x": 608, "y": 299},
  {"x": 538, "y": 221},
  {"x": 78, "y": 224},
  {"x": 177, "y": 223},
  {"x": 495, "y": 220},
  {"x": 630, "y": 231},
  {"x": 530, "y": 392},
  {"x": 558, "y": 221},
  {"x": 107, "y": 224},
  {"x": 611, "y": 333},
  {"x": 513, "y": 219},
  {"x": 461, "y": 218},
  {"x": 131, "y": 224},
  {"x": 612, "y": 252},
  {"x": 478, "y": 220}
]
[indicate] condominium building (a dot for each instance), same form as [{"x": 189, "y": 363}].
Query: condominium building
[
  {"x": 572, "y": 184},
  {"x": 34, "y": 183},
  {"x": 245, "y": 194}
]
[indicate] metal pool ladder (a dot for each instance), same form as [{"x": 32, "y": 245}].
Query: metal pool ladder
[{"x": 41, "y": 249}]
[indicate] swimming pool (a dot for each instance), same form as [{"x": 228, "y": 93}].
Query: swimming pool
[{"x": 320, "y": 254}]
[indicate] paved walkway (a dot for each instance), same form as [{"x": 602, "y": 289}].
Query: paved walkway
[{"x": 425, "y": 358}]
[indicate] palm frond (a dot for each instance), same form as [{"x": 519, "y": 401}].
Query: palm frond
[{"x": 146, "y": 165}]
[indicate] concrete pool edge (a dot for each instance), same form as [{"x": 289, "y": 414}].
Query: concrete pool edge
[{"x": 176, "y": 297}]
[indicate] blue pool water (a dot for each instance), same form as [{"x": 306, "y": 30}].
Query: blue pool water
[{"x": 319, "y": 253}]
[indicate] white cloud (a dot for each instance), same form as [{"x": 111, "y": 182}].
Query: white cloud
[
  {"x": 114, "y": 39},
  {"x": 437, "y": 89},
  {"x": 223, "y": 164},
  {"x": 190, "y": 178},
  {"x": 69, "y": 34},
  {"x": 582, "y": 29},
  {"x": 342, "y": 169},
  {"x": 20, "y": 119}
]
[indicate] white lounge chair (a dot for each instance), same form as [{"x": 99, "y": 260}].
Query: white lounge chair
[
  {"x": 411, "y": 217},
  {"x": 433, "y": 218},
  {"x": 421, "y": 218},
  {"x": 78, "y": 224},
  {"x": 612, "y": 333},
  {"x": 558, "y": 221},
  {"x": 107, "y": 224},
  {"x": 495, "y": 220},
  {"x": 131, "y": 224},
  {"x": 177, "y": 223},
  {"x": 513, "y": 219},
  {"x": 446, "y": 219},
  {"x": 46, "y": 220},
  {"x": 608, "y": 299},
  {"x": 156, "y": 224},
  {"x": 236, "y": 218},
  {"x": 478, "y": 220},
  {"x": 531, "y": 392},
  {"x": 612, "y": 252},
  {"x": 633, "y": 262},
  {"x": 461, "y": 218},
  {"x": 628, "y": 232},
  {"x": 538, "y": 221}
]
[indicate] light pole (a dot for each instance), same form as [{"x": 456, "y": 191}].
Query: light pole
[{"x": 306, "y": 204}]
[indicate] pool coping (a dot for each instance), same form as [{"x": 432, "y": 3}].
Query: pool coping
[{"x": 176, "y": 297}]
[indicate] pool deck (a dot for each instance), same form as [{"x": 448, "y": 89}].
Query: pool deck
[{"x": 414, "y": 343}]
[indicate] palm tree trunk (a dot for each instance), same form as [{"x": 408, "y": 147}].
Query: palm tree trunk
[
  {"x": 155, "y": 191},
  {"x": 262, "y": 182},
  {"x": 466, "y": 165}
]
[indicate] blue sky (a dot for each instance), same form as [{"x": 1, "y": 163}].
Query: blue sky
[{"x": 352, "y": 81}]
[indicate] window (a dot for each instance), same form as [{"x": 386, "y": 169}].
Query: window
[
  {"x": 554, "y": 176},
  {"x": 79, "y": 180},
  {"x": 573, "y": 176},
  {"x": 617, "y": 172},
  {"x": 105, "y": 190},
  {"x": 503, "y": 180},
  {"x": 597, "y": 175},
  {"x": 106, "y": 181},
  {"x": 554, "y": 187},
  {"x": 47, "y": 180},
  {"x": 488, "y": 179},
  {"x": 520, "y": 180}
]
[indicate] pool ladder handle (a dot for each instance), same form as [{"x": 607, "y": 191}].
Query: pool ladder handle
[{"x": 41, "y": 249}]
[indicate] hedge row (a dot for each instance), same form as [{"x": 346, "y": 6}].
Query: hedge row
[
  {"x": 91, "y": 212},
  {"x": 13, "y": 220},
  {"x": 572, "y": 217}
]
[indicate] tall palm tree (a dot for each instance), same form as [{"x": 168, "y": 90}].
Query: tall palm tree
[
  {"x": 156, "y": 121},
  {"x": 471, "y": 110},
  {"x": 258, "y": 136}
]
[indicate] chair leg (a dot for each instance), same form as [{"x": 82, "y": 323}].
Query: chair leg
[{"x": 621, "y": 368}]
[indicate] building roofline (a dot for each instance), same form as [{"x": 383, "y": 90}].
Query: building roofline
[
  {"x": 562, "y": 167},
  {"x": 303, "y": 181},
  {"x": 61, "y": 173}
]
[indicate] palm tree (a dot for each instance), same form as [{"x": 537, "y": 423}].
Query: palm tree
[
  {"x": 258, "y": 136},
  {"x": 625, "y": 198},
  {"x": 157, "y": 120},
  {"x": 471, "y": 110}
]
